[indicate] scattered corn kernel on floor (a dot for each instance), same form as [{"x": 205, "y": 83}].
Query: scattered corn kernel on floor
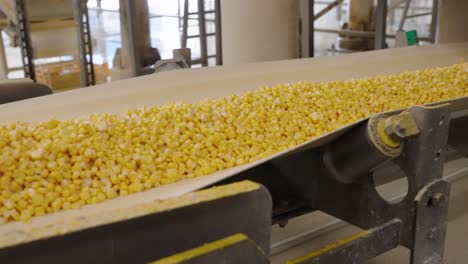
[{"x": 58, "y": 165}]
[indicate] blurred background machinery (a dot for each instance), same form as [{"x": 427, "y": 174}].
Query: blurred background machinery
[
  {"x": 103, "y": 40},
  {"x": 35, "y": 29},
  {"x": 346, "y": 173}
]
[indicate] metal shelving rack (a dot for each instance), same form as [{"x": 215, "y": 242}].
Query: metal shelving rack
[
  {"x": 203, "y": 35},
  {"x": 25, "y": 40},
  {"x": 85, "y": 45},
  {"x": 84, "y": 38}
]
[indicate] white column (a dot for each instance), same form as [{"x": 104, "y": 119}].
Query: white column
[
  {"x": 259, "y": 30},
  {"x": 452, "y": 21},
  {"x": 3, "y": 59},
  {"x": 135, "y": 36}
]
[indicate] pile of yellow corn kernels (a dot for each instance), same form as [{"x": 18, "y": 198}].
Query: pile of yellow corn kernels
[{"x": 58, "y": 165}]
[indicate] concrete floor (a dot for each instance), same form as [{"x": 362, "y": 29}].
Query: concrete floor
[{"x": 456, "y": 242}]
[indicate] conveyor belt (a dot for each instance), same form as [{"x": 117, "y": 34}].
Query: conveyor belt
[{"x": 193, "y": 85}]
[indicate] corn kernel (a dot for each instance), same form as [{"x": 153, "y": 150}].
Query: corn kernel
[{"x": 56, "y": 165}]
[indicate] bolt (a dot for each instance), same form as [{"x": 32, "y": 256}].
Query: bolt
[
  {"x": 401, "y": 126},
  {"x": 432, "y": 234},
  {"x": 400, "y": 130},
  {"x": 437, "y": 200},
  {"x": 393, "y": 133}
]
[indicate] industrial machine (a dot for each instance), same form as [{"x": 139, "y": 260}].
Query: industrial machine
[
  {"x": 21, "y": 89},
  {"x": 226, "y": 217}
]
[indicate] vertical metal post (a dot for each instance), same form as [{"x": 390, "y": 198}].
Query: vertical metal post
[
  {"x": 434, "y": 20},
  {"x": 306, "y": 8},
  {"x": 135, "y": 31},
  {"x": 424, "y": 171},
  {"x": 25, "y": 38},
  {"x": 3, "y": 59},
  {"x": 218, "y": 32},
  {"x": 380, "y": 24},
  {"x": 185, "y": 24},
  {"x": 431, "y": 217},
  {"x": 85, "y": 44},
  {"x": 405, "y": 14},
  {"x": 129, "y": 55},
  {"x": 202, "y": 28},
  {"x": 178, "y": 15},
  {"x": 327, "y": 9}
]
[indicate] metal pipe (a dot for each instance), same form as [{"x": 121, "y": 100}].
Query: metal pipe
[
  {"x": 341, "y": 160},
  {"x": 350, "y": 33},
  {"x": 327, "y": 9},
  {"x": 3, "y": 59},
  {"x": 434, "y": 20},
  {"x": 380, "y": 24},
  {"x": 185, "y": 25},
  {"x": 206, "y": 12},
  {"x": 12, "y": 69},
  {"x": 405, "y": 14},
  {"x": 196, "y": 36},
  {"x": 379, "y": 140},
  {"x": 362, "y": 34},
  {"x": 202, "y": 31},
  {"x": 218, "y": 32},
  {"x": 178, "y": 15},
  {"x": 419, "y": 15},
  {"x": 306, "y": 31},
  {"x": 150, "y": 15}
]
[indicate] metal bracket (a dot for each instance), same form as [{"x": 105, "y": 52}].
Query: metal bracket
[
  {"x": 181, "y": 60},
  {"x": 422, "y": 161},
  {"x": 431, "y": 223}
]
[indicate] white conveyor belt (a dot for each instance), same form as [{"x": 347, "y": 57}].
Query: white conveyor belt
[{"x": 191, "y": 86}]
